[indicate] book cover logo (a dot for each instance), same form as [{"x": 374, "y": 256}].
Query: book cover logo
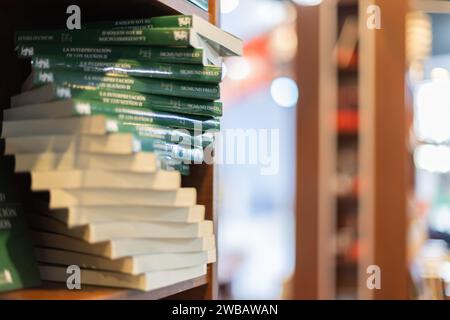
[
  {"x": 42, "y": 63},
  {"x": 181, "y": 35},
  {"x": 46, "y": 77},
  {"x": 184, "y": 21},
  {"x": 27, "y": 51}
]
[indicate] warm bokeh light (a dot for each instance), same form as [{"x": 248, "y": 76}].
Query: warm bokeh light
[{"x": 237, "y": 68}]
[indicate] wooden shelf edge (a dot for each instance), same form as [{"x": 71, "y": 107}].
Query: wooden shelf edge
[{"x": 57, "y": 291}]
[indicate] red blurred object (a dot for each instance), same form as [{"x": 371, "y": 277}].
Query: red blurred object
[
  {"x": 262, "y": 70},
  {"x": 354, "y": 253},
  {"x": 347, "y": 59},
  {"x": 347, "y": 121}
]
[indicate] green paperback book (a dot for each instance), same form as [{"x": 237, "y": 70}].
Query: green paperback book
[
  {"x": 52, "y": 92},
  {"x": 18, "y": 268},
  {"x": 143, "y": 116},
  {"x": 98, "y": 53},
  {"x": 186, "y": 72},
  {"x": 179, "y": 37},
  {"x": 173, "y": 21},
  {"x": 179, "y": 31},
  {"x": 176, "y": 88},
  {"x": 223, "y": 43}
]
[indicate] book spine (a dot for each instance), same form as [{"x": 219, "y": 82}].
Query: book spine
[
  {"x": 173, "y": 21},
  {"x": 140, "y": 100},
  {"x": 119, "y": 24},
  {"x": 144, "y": 37},
  {"x": 133, "y": 68},
  {"x": 122, "y": 82},
  {"x": 156, "y": 54},
  {"x": 143, "y": 116}
]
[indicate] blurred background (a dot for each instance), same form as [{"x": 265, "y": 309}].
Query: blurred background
[
  {"x": 256, "y": 235},
  {"x": 371, "y": 129}
]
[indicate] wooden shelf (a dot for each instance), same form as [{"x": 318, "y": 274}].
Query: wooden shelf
[{"x": 57, "y": 291}]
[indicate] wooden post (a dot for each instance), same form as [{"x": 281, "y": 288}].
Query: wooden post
[
  {"x": 316, "y": 152},
  {"x": 383, "y": 215}
]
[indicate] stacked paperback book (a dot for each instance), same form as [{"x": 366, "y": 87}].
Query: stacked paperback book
[{"x": 109, "y": 119}]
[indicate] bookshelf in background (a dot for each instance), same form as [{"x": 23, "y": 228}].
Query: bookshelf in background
[
  {"x": 41, "y": 14},
  {"x": 347, "y": 132}
]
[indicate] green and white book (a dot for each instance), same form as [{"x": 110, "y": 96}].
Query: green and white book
[
  {"x": 82, "y": 80},
  {"x": 144, "y": 282},
  {"x": 18, "y": 268},
  {"x": 95, "y": 179},
  {"x": 172, "y": 55},
  {"x": 139, "y": 162},
  {"x": 157, "y": 70},
  {"x": 140, "y": 116},
  {"x": 101, "y": 125},
  {"x": 81, "y": 215},
  {"x": 53, "y": 92},
  {"x": 100, "y": 232},
  {"x": 120, "y": 248},
  {"x": 130, "y": 265},
  {"x": 225, "y": 43}
]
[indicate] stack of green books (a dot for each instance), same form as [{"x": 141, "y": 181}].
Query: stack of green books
[{"x": 108, "y": 120}]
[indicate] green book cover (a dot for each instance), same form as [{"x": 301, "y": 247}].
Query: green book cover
[
  {"x": 175, "y": 21},
  {"x": 141, "y": 100},
  {"x": 100, "y": 53},
  {"x": 149, "y": 117},
  {"x": 141, "y": 36},
  {"x": 142, "y": 116},
  {"x": 176, "y": 88},
  {"x": 186, "y": 72},
  {"x": 18, "y": 268},
  {"x": 172, "y": 21}
]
